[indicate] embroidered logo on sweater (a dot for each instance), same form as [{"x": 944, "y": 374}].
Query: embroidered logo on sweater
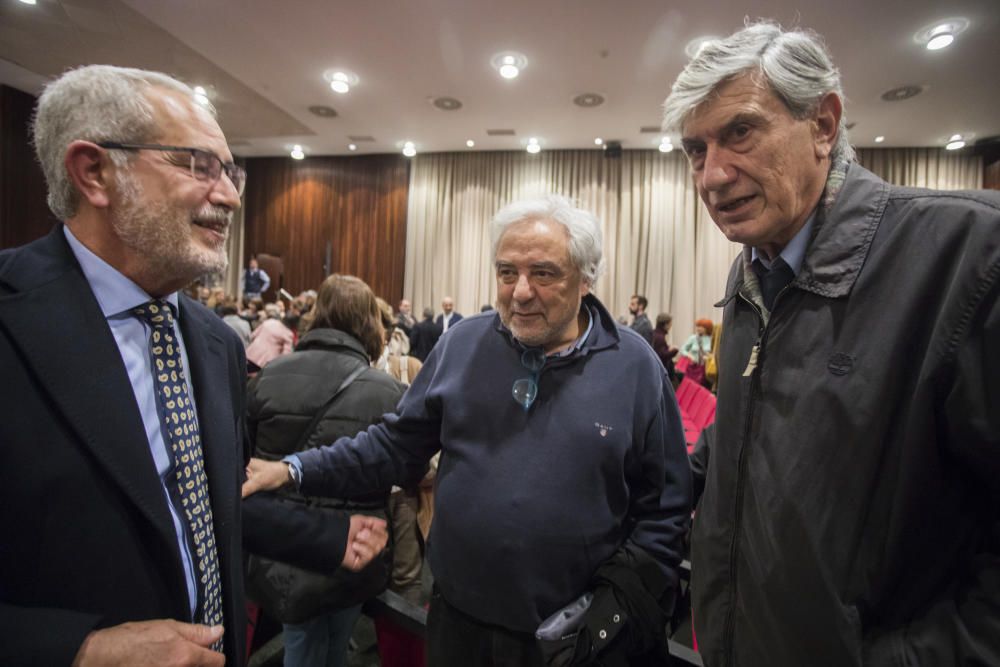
[{"x": 603, "y": 428}]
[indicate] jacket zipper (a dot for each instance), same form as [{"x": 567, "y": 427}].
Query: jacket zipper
[{"x": 753, "y": 364}]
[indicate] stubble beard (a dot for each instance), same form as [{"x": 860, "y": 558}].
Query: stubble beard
[{"x": 161, "y": 234}]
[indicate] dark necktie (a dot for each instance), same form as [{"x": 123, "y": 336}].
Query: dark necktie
[
  {"x": 181, "y": 430},
  {"x": 773, "y": 280}
]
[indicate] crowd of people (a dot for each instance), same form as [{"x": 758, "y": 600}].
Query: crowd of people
[{"x": 847, "y": 494}]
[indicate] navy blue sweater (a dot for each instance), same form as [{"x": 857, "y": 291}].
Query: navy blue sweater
[{"x": 529, "y": 503}]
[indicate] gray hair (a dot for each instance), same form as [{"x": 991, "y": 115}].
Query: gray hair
[
  {"x": 586, "y": 245},
  {"x": 94, "y": 103},
  {"x": 795, "y": 65}
]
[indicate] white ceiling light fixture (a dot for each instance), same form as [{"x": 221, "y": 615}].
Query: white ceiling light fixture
[
  {"x": 30, "y": 2},
  {"x": 533, "y": 146},
  {"x": 409, "y": 150},
  {"x": 340, "y": 80},
  {"x": 470, "y": 143},
  {"x": 509, "y": 64},
  {"x": 955, "y": 143},
  {"x": 665, "y": 145},
  {"x": 352, "y": 147},
  {"x": 297, "y": 152},
  {"x": 598, "y": 141},
  {"x": 879, "y": 139},
  {"x": 941, "y": 33}
]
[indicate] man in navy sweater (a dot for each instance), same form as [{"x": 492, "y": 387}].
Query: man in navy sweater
[{"x": 563, "y": 469}]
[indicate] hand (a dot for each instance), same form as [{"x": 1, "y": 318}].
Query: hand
[
  {"x": 265, "y": 476},
  {"x": 164, "y": 642},
  {"x": 365, "y": 540}
]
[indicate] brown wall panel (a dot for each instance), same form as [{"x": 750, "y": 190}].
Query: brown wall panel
[
  {"x": 357, "y": 204},
  {"x": 24, "y": 215},
  {"x": 991, "y": 176}
]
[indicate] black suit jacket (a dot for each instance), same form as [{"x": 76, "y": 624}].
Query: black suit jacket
[
  {"x": 88, "y": 541},
  {"x": 455, "y": 317}
]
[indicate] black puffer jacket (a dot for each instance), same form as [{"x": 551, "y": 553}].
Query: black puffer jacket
[{"x": 287, "y": 394}]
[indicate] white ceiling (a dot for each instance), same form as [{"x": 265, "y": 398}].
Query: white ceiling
[{"x": 263, "y": 63}]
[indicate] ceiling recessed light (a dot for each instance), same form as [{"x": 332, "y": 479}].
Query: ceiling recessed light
[
  {"x": 509, "y": 64},
  {"x": 470, "y": 143},
  {"x": 533, "y": 146},
  {"x": 879, "y": 139},
  {"x": 666, "y": 147},
  {"x": 297, "y": 152},
  {"x": 447, "y": 103},
  {"x": 29, "y": 2},
  {"x": 323, "y": 111},
  {"x": 940, "y": 34},
  {"x": 340, "y": 80},
  {"x": 955, "y": 142},
  {"x": 938, "y": 42},
  {"x": 409, "y": 150},
  {"x": 902, "y": 93},
  {"x": 598, "y": 141},
  {"x": 588, "y": 100},
  {"x": 352, "y": 147}
]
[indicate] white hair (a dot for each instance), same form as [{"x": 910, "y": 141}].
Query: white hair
[
  {"x": 586, "y": 245},
  {"x": 794, "y": 64},
  {"x": 94, "y": 103}
]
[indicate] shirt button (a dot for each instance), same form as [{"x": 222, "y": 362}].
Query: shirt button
[
  {"x": 603, "y": 634},
  {"x": 616, "y": 618}
]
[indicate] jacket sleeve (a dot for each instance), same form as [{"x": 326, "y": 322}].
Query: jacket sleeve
[
  {"x": 660, "y": 489},
  {"x": 963, "y": 626},
  {"x": 38, "y": 636},
  {"x": 393, "y": 452}
]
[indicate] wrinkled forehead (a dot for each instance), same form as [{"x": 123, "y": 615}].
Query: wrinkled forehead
[
  {"x": 745, "y": 93},
  {"x": 183, "y": 122}
]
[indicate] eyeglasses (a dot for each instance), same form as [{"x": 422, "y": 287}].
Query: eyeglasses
[
  {"x": 205, "y": 165},
  {"x": 525, "y": 390}
]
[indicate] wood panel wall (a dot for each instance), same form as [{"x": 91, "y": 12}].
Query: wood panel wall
[
  {"x": 24, "y": 215},
  {"x": 356, "y": 204}
]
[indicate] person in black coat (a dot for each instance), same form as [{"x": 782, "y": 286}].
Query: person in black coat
[{"x": 424, "y": 336}]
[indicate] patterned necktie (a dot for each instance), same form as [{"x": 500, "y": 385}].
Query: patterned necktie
[{"x": 181, "y": 430}]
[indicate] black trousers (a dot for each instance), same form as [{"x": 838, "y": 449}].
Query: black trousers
[{"x": 455, "y": 639}]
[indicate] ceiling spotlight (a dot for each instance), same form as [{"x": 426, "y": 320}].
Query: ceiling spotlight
[
  {"x": 533, "y": 146},
  {"x": 470, "y": 143},
  {"x": 940, "y": 41},
  {"x": 29, "y": 2},
  {"x": 666, "y": 147},
  {"x": 409, "y": 150},
  {"x": 509, "y": 64},
  {"x": 879, "y": 139},
  {"x": 955, "y": 143},
  {"x": 598, "y": 141},
  {"x": 940, "y": 34},
  {"x": 352, "y": 147},
  {"x": 297, "y": 153},
  {"x": 340, "y": 80}
]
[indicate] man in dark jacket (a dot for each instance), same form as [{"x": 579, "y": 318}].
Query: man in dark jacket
[
  {"x": 563, "y": 466},
  {"x": 424, "y": 336},
  {"x": 852, "y": 479}
]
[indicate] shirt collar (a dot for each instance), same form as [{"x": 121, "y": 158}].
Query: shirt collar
[
  {"x": 579, "y": 341},
  {"x": 795, "y": 251},
  {"x": 115, "y": 293}
]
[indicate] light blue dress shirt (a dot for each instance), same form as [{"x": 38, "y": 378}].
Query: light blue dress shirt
[
  {"x": 795, "y": 252},
  {"x": 117, "y": 295}
]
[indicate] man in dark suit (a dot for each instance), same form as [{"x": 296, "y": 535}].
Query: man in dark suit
[
  {"x": 424, "y": 336},
  {"x": 122, "y": 401},
  {"x": 449, "y": 316}
]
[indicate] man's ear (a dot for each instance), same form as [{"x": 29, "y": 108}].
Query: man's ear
[
  {"x": 826, "y": 124},
  {"x": 89, "y": 169}
]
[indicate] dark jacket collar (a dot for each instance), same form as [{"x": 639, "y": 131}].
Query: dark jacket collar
[{"x": 331, "y": 339}]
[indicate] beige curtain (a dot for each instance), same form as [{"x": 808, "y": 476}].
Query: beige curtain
[
  {"x": 924, "y": 167},
  {"x": 658, "y": 239}
]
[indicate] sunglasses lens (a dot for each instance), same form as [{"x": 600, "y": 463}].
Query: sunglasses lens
[{"x": 525, "y": 391}]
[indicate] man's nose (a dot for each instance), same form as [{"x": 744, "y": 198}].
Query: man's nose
[
  {"x": 522, "y": 289},
  {"x": 717, "y": 172},
  {"x": 224, "y": 193}
]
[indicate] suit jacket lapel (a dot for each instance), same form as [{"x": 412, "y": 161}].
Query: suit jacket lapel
[{"x": 64, "y": 337}]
